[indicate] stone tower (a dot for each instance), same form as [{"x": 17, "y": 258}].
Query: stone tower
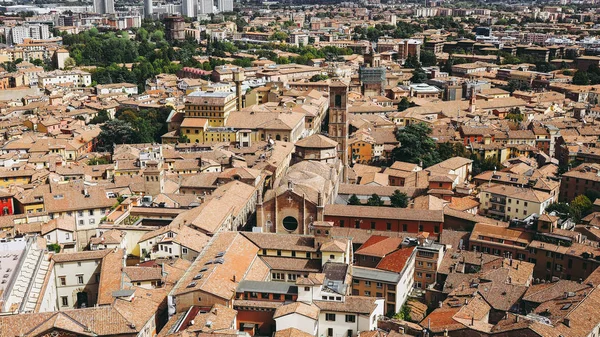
[
  {"x": 153, "y": 178},
  {"x": 338, "y": 120}
]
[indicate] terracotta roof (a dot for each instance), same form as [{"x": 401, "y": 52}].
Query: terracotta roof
[
  {"x": 80, "y": 256},
  {"x": 351, "y": 304},
  {"x": 383, "y": 213},
  {"x": 316, "y": 141},
  {"x": 397, "y": 260},
  {"x": 292, "y": 332},
  {"x": 140, "y": 274},
  {"x": 309, "y": 310},
  {"x": 110, "y": 276},
  {"x": 379, "y": 246}
]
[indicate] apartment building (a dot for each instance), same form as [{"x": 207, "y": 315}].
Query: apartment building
[
  {"x": 333, "y": 316},
  {"x": 213, "y": 106},
  {"x": 510, "y": 202},
  {"x": 76, "y": 78},
  {"x": 428, "y": 258},
  {"x": 583, "y": 178},
  {"x": 77, "y": 278}
]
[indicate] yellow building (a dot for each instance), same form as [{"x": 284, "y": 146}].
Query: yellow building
[
  {"x": 20, "y": 177},
  {"x": 214, "y": 106},
  {"x": 361, "y": 147},
  {"x": 193, "y": 129}
]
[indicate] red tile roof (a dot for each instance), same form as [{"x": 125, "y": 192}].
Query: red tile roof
[{"x": 397, "y": 260}]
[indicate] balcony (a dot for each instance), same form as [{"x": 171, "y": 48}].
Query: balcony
[
  {"x": 494, "y": 211},
  {"x": 498, "y": 200}
]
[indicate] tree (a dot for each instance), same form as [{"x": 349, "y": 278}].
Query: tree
[
  {"x": 374, "y": 200},
  {"x": 412, "y": 62},
  {"x": 419, "y": 76},
  {"x": 415, "y": 145},
  {"x": 98, "y": 161},
  {"x": 278, "y": 36},
  {"x": 486, "y": 164},
  {"x": 515, "y": 115},
  {"x": 581, "y": 78},
  {"x": 404, "y": 313},
  {"x": 404, "y": 104},
  {"x": 562, "y": 209},
  {"x": 69, "y": 63},
  {"x": 116, "y": 130},
  {"x": 580, "y": 207},
  {"x": 101, "y": 117},
  {"x": 399, "y": 199},
  {"x": 353, "y": 200},
  {"x": 428, "y": 58},
  {"x": 318, "y": 77}
]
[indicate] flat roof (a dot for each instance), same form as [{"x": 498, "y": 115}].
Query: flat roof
[
  {"x": 267, "y": 287},
  {"x": 375, "y": 274}
]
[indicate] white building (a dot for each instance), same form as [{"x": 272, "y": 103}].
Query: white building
[
  {"x": 148, "y": 8},
  {"x": 188, "y": 8},
  {"x": 104, "y": 6},
  {"x": 333, "y": 314},
  {"x": 77, "y": 77},
  {"x": 18, "y": 34},
  {"x": 205, "y": 7},
  {"x": 117, "y": 88},
  {"x": 77, "y": 277},
  {"x": 61, "y": 231}
]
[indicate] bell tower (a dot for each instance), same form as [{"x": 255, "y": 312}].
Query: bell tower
[{"x": 338, "y": 120}]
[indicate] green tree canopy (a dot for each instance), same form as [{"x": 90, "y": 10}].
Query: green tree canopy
[
  {"x": 416, "y": 146},
  {"x": 399, "y": 199},
  {"x": 404, "y": 104},
  {"x": 115, "y": 131},
  {"x": 374, "y": 200},
  {"x": 353, "y": 200}
]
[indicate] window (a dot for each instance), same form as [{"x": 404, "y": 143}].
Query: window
[
  {"x": 64, "y": 301},
  {"x": 62, "y": 280},
  {"x": 79, "y": 279},
  {"x": 78, "y": 264},
  {"x": 278, "y": 253},
  {"x": 330, "y": 332},
  {"x": 332, "y": 257},
  {"x": 367, "y": 283},
  {"x": 372, "y": 224},
  {"x": 350, "y": 318},
  {"x": 306, "y": 288},
  {"x": 388, "y": 226},
  {"x": 404, "y": 227},
  {"x": 420, "y": 228},
  {"x": 184, "y": 250},
  {"x": 367, "y": 293},
  {"x": 330, "y": 317},
  {"x": 379, "y": 285},
  {"x": 341, "y": 223},
  {"x": 80, "y": 222},
  {"x": 349, "y": 333}
]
